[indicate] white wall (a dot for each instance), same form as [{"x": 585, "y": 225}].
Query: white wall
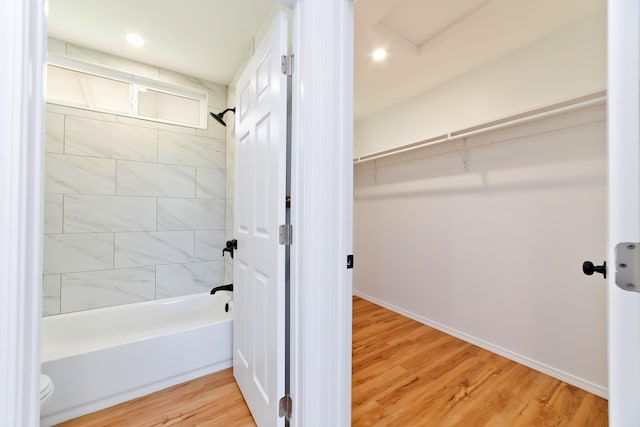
[
  {"x": 494, "y": 255},
  {"x": 561, "y": 66}
]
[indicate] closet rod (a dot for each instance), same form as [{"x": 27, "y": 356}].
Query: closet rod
[{"x": 540, "y": 113}]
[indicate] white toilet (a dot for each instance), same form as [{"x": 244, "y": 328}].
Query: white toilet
[{"x": 46, "y": 391}]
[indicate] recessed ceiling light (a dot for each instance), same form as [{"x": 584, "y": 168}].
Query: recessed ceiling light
[
  {"x": 379, "y": 54},
  {"x": 135, "y": 39}
]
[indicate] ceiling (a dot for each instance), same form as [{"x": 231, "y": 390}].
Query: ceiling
[
  {"x": 208, "y": 39},
  {"x": 432, "y": 41},
  {"x": 428, "y": 41}
]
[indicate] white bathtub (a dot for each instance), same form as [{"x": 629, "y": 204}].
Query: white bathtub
[{"x": 99, "y": 358}]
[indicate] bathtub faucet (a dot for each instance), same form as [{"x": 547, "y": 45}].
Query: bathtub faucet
[{"x": 228, "y": 287}]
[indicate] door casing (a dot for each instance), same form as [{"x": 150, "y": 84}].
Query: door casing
[
  {"x": 322, "y": 95},
  {"x": 623, "y": 140}
]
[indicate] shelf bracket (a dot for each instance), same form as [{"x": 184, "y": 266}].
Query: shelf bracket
[{"x": 463, "y": 153}]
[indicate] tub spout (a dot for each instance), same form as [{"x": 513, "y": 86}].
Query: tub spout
[{"x": 228, "y": 287}]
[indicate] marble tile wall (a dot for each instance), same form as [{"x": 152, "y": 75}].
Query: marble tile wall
[{"x": 135, "y": 210}]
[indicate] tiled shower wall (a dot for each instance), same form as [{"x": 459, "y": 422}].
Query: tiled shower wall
[
  {"x": 230, "y": 153},
  {"x": 134, "y": 210}
]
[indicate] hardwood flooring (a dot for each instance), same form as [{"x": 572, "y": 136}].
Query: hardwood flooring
[
  {"x": 408, "y": 374},
  {"x": 213, "y": 400},
  {"x": 404, "y": 374}
]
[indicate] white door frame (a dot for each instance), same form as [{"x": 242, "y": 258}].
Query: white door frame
[
  {"x": 623, "y": 107},
  {"x": 322, "y": 225},
  {"x": 22, "y": 55},
  {"x": 322, "y": 212}
]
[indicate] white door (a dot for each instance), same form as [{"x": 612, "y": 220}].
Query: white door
[
  {"x": 624, "y": 211},
  {"x": 259, "y": 264}
]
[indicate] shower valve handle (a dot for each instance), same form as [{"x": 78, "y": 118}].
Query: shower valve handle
[{"x": 230, "y": 246}]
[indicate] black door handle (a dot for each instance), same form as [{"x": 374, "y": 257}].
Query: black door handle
[
  {"x": 588, "y": 268},
  {"x": 231, "y": 245}
]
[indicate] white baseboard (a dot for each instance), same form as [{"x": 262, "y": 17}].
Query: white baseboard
[{"x": 596, "y": 389}]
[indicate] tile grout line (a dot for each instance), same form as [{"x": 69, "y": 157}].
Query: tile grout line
[
  {"x": 134, "y": 267},
  {"x": 135, "y": 196},
  {"x": 62, "y": 233},
  {"x": 64, "y": 132},
  {"x": 60, "y": 291},
  {"x": 146, "y": 162},
  {"x": 115, "y": 194},
  {"x": 104, "y": 117},
  {"x": 155, "y": 282}
]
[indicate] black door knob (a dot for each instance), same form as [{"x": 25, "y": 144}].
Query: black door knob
[{"x": 588, "y": 268}]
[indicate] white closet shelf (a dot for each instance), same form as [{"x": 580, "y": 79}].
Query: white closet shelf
[{"x": 528, "y": 116}]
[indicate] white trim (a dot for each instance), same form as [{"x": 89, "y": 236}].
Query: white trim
[
  {"x": 516, "y": 357},
  {"x": 324, "y": 62},
  {"x": 623, "y": 144},
  {"x": 22, "y": 52},
  {"x": 322, "y": 212}
]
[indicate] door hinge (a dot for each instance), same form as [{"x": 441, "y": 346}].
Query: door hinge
[
  {"x": 627, "y": 269},
  {"x": 286, "y": 406},
  {"x": 286, "y": 234},
  {"x": 286, "y": 65}
]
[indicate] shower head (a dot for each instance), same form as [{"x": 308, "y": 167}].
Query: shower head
[{"x": 219, "y": 116}]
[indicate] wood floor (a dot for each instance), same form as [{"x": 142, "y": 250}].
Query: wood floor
[
  {"x": 213, "y": 400},
  {"x": 404, "y": 374},
  {"x": 408, "y": 374}
]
